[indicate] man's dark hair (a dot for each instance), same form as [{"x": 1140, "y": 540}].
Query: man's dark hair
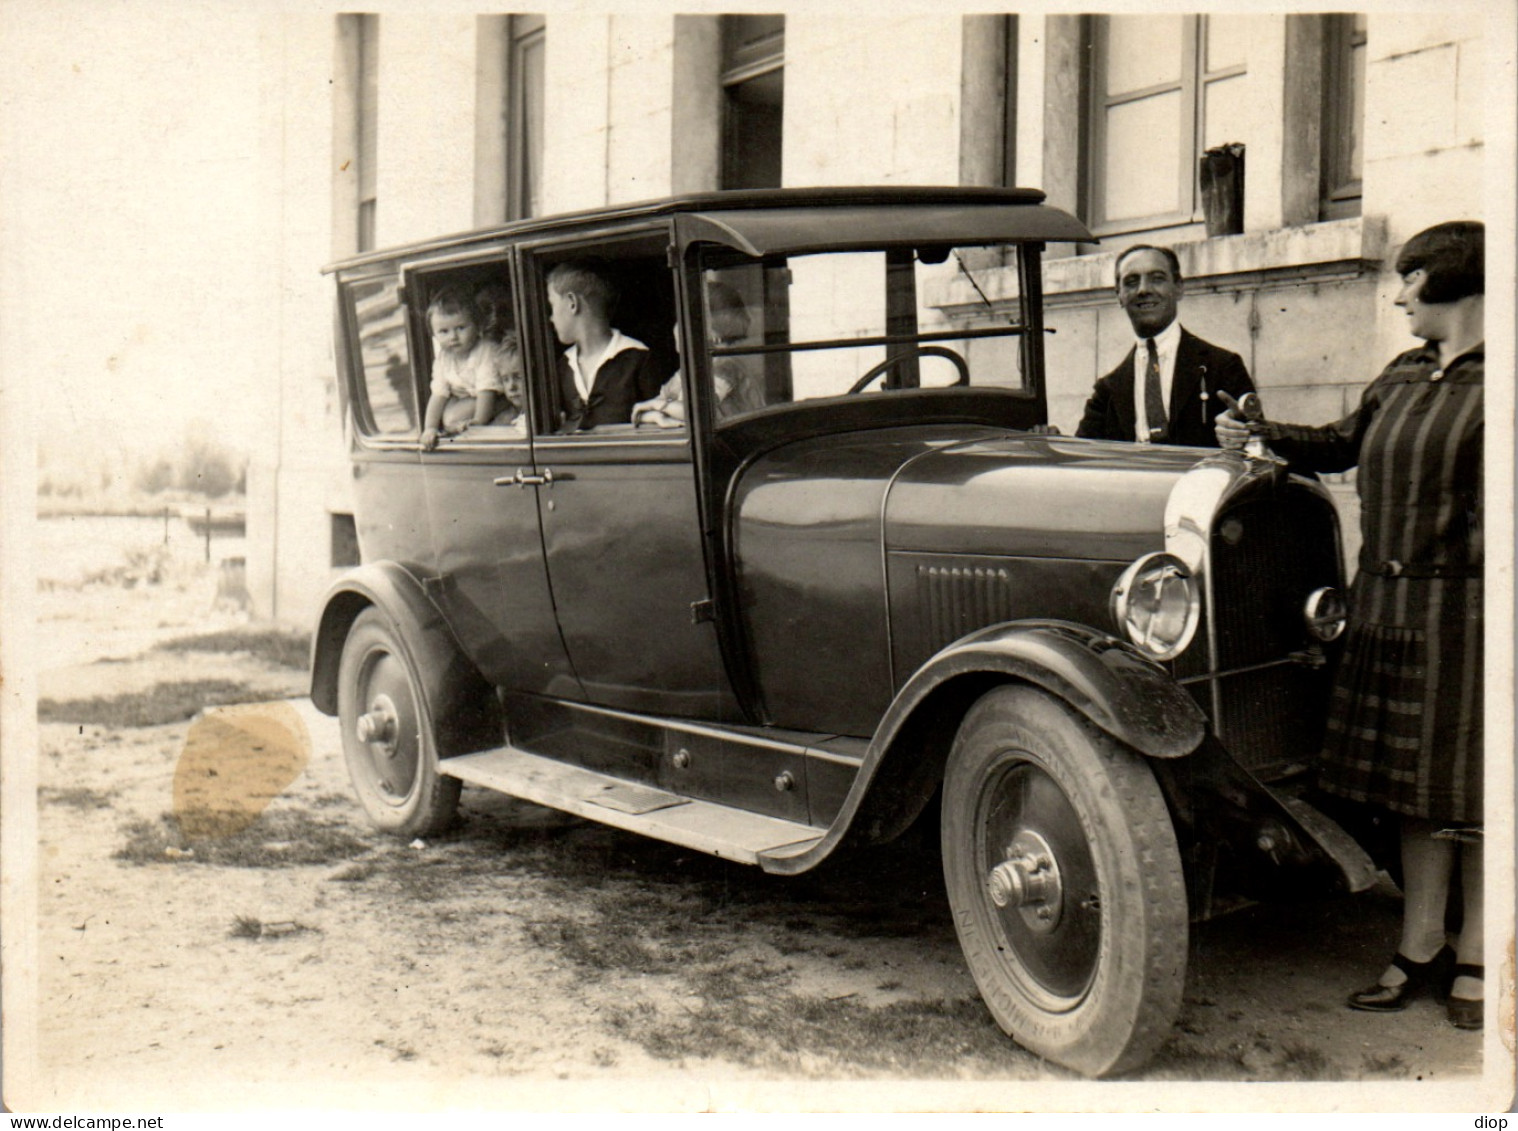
[
  {"x": 1453, "y": 258},
  {"x": 588, "y": 278},
  {"x": 1168, "y": 253}
]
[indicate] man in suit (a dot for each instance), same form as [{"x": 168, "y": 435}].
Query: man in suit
[{"x": 1166, "y": 390}]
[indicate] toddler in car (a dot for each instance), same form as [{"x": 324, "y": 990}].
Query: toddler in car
[
  {"x": 465, "y": 382},
  {"x": 507, "y": 358}
]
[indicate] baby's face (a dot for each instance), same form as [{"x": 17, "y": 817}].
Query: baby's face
[
  {"x": 512, "y": 379},
  {"x": 455, "y": 333}
]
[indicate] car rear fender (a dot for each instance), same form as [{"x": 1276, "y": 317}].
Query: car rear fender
[
  {"x": 1105, "y": 679},
  {"x": 461, "y": 702}
]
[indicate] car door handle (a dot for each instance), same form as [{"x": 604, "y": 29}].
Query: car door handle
[{"x": 522, "y": 478}]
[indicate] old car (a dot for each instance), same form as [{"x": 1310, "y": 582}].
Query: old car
[{"x": 854, "y": 582}]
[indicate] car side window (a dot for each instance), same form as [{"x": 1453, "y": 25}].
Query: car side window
[
  {"x": 466, "y": 325},
  {"x": 610, "y": 326},
  {"x": 385, "y": 398}
]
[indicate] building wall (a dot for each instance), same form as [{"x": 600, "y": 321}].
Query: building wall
[
  {"x": 295, "y": 479},
  {"x": 631, "y": 114}
]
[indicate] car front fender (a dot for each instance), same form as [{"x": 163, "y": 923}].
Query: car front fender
[
  {"x": 460, "y": 702},
  {"x": 1106, "y": 679},
  {"x": 1102, "y": 677}
]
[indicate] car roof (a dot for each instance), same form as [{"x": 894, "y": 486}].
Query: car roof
[{"x": 773, "y": 221}]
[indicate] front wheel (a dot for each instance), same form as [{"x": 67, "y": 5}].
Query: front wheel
[
  {"x": 1065, "y": 883},
  {"x": 388, "y": 737}
]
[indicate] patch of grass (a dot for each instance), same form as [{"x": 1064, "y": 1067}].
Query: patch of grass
[
  {"x": 163, "y": 703},
  {"x": 247, "y": 927},
  {"x": 813, "y": 1036},
  {"x": 80, "y": 797},
  {"x": 1386, "y": 1064},
  {"x": 273, "y": 645},
  {"x": 1302, "y": 1062},
  {"x": 275, "y": 840}
]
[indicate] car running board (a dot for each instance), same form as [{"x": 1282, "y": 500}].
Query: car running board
[{"x": 733, "y": 834}]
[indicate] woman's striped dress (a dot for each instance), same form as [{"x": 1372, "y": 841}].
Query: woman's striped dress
[{"x": 1404, "y": 728}]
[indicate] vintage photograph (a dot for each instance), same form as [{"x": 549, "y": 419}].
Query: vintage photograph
[{"x": 826, "y": 558}]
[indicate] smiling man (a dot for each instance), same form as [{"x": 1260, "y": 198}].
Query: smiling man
[{"x": 1166, "y": 389}]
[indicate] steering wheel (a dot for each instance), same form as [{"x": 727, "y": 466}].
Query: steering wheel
[{"x": 876, "y": 370}]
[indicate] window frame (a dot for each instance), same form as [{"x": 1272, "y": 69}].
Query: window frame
[
  {"x": 525, "y": 32},
  {"x": 740, "y": 63},
  {"x": 1191, "y": 85},
  {"x": 541, "y": 349},
  {"x": 362, "y": 415},
  {"x": 1340, "y": 192}
]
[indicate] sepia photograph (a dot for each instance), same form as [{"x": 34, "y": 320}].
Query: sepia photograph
[{"x": 795, "y": 558}]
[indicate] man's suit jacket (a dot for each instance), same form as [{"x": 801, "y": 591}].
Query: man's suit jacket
[
  {"x": 621, "y": 382},
  {"x": 1200, "y": 367}
]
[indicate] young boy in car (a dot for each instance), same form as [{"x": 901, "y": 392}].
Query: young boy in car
[{"x": 603, "y": 373}]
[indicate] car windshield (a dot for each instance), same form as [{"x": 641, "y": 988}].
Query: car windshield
[{"x": 802, "y": 327}]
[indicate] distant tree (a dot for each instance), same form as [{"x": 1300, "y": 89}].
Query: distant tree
[
  {"x": 156, "y": 477},
  {"x": 206, "y": 469}
]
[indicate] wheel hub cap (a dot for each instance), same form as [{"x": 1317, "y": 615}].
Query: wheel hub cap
[
  {"x": 1028, "y": 879},
  {"x": 378, "y": 725}
]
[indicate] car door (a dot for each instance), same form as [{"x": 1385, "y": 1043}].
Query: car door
[
  {"x": 622, "y": 530},
  {"x": 490, "y": 577}
]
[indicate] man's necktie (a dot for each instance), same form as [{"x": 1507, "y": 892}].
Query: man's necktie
[{"x": 1154, "y": 399}]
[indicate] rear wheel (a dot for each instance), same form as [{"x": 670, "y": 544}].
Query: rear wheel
[
  {"x": 1065, "y": 883},
  {"x": 388, "y": 736}
]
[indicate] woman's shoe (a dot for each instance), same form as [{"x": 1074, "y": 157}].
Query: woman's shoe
[
  {"x": 1420, "y": 977},
  {"x": 1464, "y": 1012}
]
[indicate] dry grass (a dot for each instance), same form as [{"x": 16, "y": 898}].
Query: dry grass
[
  {"x": 271, "y": 645},
  {"x": 162, "y": 703},
  {"x": 283, "y": 839}
]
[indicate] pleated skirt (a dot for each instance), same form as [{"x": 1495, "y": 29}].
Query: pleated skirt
[{"x": 1404, "y": 728}]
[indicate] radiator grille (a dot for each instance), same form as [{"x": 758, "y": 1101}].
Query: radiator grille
[{"x": 1268, "y": 554}]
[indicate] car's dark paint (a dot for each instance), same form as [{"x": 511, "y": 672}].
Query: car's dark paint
[
  {"x": 487, "y": 572},
  {"x": 622, "y": 539},
  {"x": 810, "y": 575},
  {"x": 876, "y": 223},
  {"x": 1037, "y": 496}
]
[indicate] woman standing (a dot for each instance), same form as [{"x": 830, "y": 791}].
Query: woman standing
[{"x": 1404, "y": 729}]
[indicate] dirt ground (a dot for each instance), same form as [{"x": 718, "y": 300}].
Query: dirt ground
[{"x": 530, "y": 959}]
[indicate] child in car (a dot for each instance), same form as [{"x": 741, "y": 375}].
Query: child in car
[
  {"x": 465, "y": 383},
  {"x": 507, "y": 358},
  {"x": 603, "y": 373}
]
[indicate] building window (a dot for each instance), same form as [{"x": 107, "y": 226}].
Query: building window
[
  {"x": 753, "y": 100},
  {"x": 366, "y": 108},
  {"x": 526, "y": 48},
  {"x": 343, "y": 541},
  {"x": 1343, "y": 114},
  {"x": 1163, "y": 89}
]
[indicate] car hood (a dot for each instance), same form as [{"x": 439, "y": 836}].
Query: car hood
[{"x": 1036, "y": 496}]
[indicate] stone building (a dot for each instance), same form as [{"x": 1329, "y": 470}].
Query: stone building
[{"x": 1357, "y": 130}]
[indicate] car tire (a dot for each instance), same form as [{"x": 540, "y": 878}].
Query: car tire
[
  {"x": 1083, "y": 962},
  {"x": 388, "y": 736}
]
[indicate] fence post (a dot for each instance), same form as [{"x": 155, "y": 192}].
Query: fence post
[
  {"x": 208, "y": 535},
  {"x": 165, "y": 526}
]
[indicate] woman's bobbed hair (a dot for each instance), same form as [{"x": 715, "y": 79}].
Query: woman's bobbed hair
[{"x": 1453, "y": 258}]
